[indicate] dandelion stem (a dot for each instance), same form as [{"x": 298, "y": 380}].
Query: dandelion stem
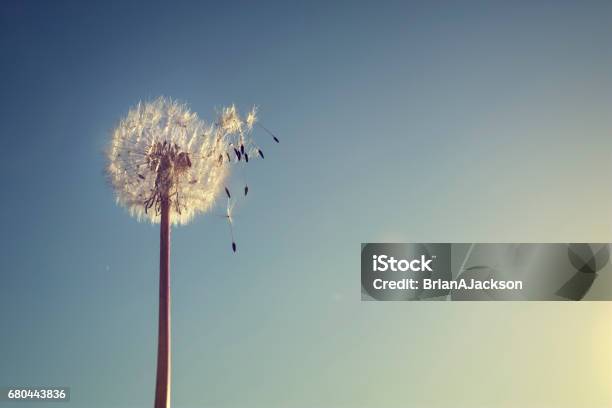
[{"x": 162, "y": 383}]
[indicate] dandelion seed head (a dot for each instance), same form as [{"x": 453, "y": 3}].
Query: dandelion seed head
[{"x": 163, "y": 149}]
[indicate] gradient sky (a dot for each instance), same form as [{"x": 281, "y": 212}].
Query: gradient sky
[{"x": 408, "y": 121}]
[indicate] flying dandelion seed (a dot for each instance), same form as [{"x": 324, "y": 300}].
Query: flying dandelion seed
[
  {"x": 265, "y": 129},
  {"x": 230, "y": 221},
  {"x": 166, "y": 166}
]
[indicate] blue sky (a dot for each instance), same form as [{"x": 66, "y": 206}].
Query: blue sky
[{"x": 400, "y": 121}]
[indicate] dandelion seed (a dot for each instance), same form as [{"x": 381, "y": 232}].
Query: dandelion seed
[
  {"x": 251, "y": 118},
  {"x": 246, "y": 157},
  {"x": 246, "y": 190},
  {"x": 260, "y": 153},
  {"x": 228, "y": 193},
  {"x": 270, "y": 133},
  {"x": 230, "y": 221},
  {"x": 229, "y": 120}
]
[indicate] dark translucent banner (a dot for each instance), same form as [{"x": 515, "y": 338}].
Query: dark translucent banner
[{"x": 471, "y": 271}]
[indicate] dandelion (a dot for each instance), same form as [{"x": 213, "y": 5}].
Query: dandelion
[{"x": 167, "y": 165}]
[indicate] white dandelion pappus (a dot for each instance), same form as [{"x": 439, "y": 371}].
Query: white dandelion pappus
[
  {"x": 251, "y": 118},
  {"x": 162, "y": 149}
]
